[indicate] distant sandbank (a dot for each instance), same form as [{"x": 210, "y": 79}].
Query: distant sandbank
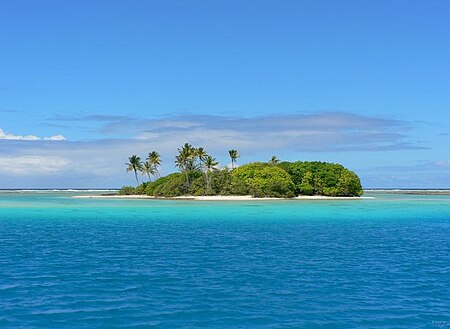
[
  {"x": 410, "y": 191},
  {"x": 218, "y": 197}
]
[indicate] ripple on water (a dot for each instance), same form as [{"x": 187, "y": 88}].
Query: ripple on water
[{"x": 215, "y": 265}]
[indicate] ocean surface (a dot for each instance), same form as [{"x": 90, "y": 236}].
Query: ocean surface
[{"x": 96, "y": 263}]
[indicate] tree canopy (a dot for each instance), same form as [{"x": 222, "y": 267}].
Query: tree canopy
[
  {"x": 262, "y": 180},
  {"x": 322, "y": 178}
]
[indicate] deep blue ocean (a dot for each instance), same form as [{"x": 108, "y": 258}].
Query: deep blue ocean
[{"x": 96, "y": 263}]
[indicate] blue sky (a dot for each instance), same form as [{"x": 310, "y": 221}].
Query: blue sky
[{"x": 84, "y": 84}]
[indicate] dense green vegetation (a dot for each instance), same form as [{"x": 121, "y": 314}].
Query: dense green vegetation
[
  {"x": 322, "y": 178},
  {"x": 199, "y": 175},
  {"x": 262, "y": 180}
]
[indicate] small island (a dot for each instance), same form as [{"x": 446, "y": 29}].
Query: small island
[{"x": 200, "y": 176}]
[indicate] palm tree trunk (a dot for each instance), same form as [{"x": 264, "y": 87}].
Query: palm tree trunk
[
  {"x": 188, "y": 181},
  {"x": 208, "y": 183}
]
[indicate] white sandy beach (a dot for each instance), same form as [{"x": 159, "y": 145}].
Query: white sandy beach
[
  {"x": 219, "y": 197},
  {"x": 113, "y": 196}
]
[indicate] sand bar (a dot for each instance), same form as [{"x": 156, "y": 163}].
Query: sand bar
[
  {"x": 219, "y": 197},
  {"x": 410, "y": 191},
  {"x": 113, "y": 196}
]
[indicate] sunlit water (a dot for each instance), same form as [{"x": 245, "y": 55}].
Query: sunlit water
[{"x": 90, "y": 263}]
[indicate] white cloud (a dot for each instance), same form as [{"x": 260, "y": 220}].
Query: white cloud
[
  {"x": 32, "y": 165},
  {"x": 101, "y": 162},
  {"x": 321, "y": 132},
  {"x": 4, "y": 135},
  {"x": 443, "y": 163},
  {"x": 9, "y": 136},
  {"x": 55, "y": 138}
]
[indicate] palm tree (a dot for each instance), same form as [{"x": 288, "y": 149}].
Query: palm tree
[
  {"x": 201, "y": 154},
  {"x": 184, "y": 154},
  {"x": 274, "y": 160},
  {"x": 210, "y": 165},
  {"x": 135, "y": 165},
  {"x": 155, "y": 160},
  {"x": 148, "y": 169},
  {"x": 233, "y": 155},
  {"x": 186, "y": 162}
]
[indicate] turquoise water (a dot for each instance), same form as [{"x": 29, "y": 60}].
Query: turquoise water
[{"x": 90, "y": 263}]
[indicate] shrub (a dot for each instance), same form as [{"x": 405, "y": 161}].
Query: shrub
[
  {"x": 262, "y": 180},
  {"x": 221, "y": 182},
  {"x": 349, "y": 184},
  {"x": 151, "y": 186},
  {"x": 322, "y": 178},
  {"x": 197, "y": 186},
  {"x": 172, "y": 186},
  {"x": 140, "y": 189},
  {"x": 306, "y": 186},
  {"x": 126, "y": 190}
]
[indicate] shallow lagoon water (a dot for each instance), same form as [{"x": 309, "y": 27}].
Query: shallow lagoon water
[{"x": 96, "y": 263}]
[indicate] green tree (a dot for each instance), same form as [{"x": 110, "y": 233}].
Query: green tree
[
  {"x": 155, "y": 160},
  {"x": 127, "y": 190},
  {"x": 173, "y": 186},
  {"x": 148, "y": 169},
  {"x": 274, "y": 160},
  {"x": 306, "y": 187},
  {"x": 262, "y": 180},
  {"x": 233, "y": 155},
  {"x": 152, "y": 186},
  {"x": 186, "y": 162},
  {"x": 201, "y": 154},
  {"x": 134, "y": 164},
  {"x": 221, "y": 181},
  {"x": 210, "y": 165},
  {"x": 349, "y": 184},
  {"x": 323, "y": 178}
]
